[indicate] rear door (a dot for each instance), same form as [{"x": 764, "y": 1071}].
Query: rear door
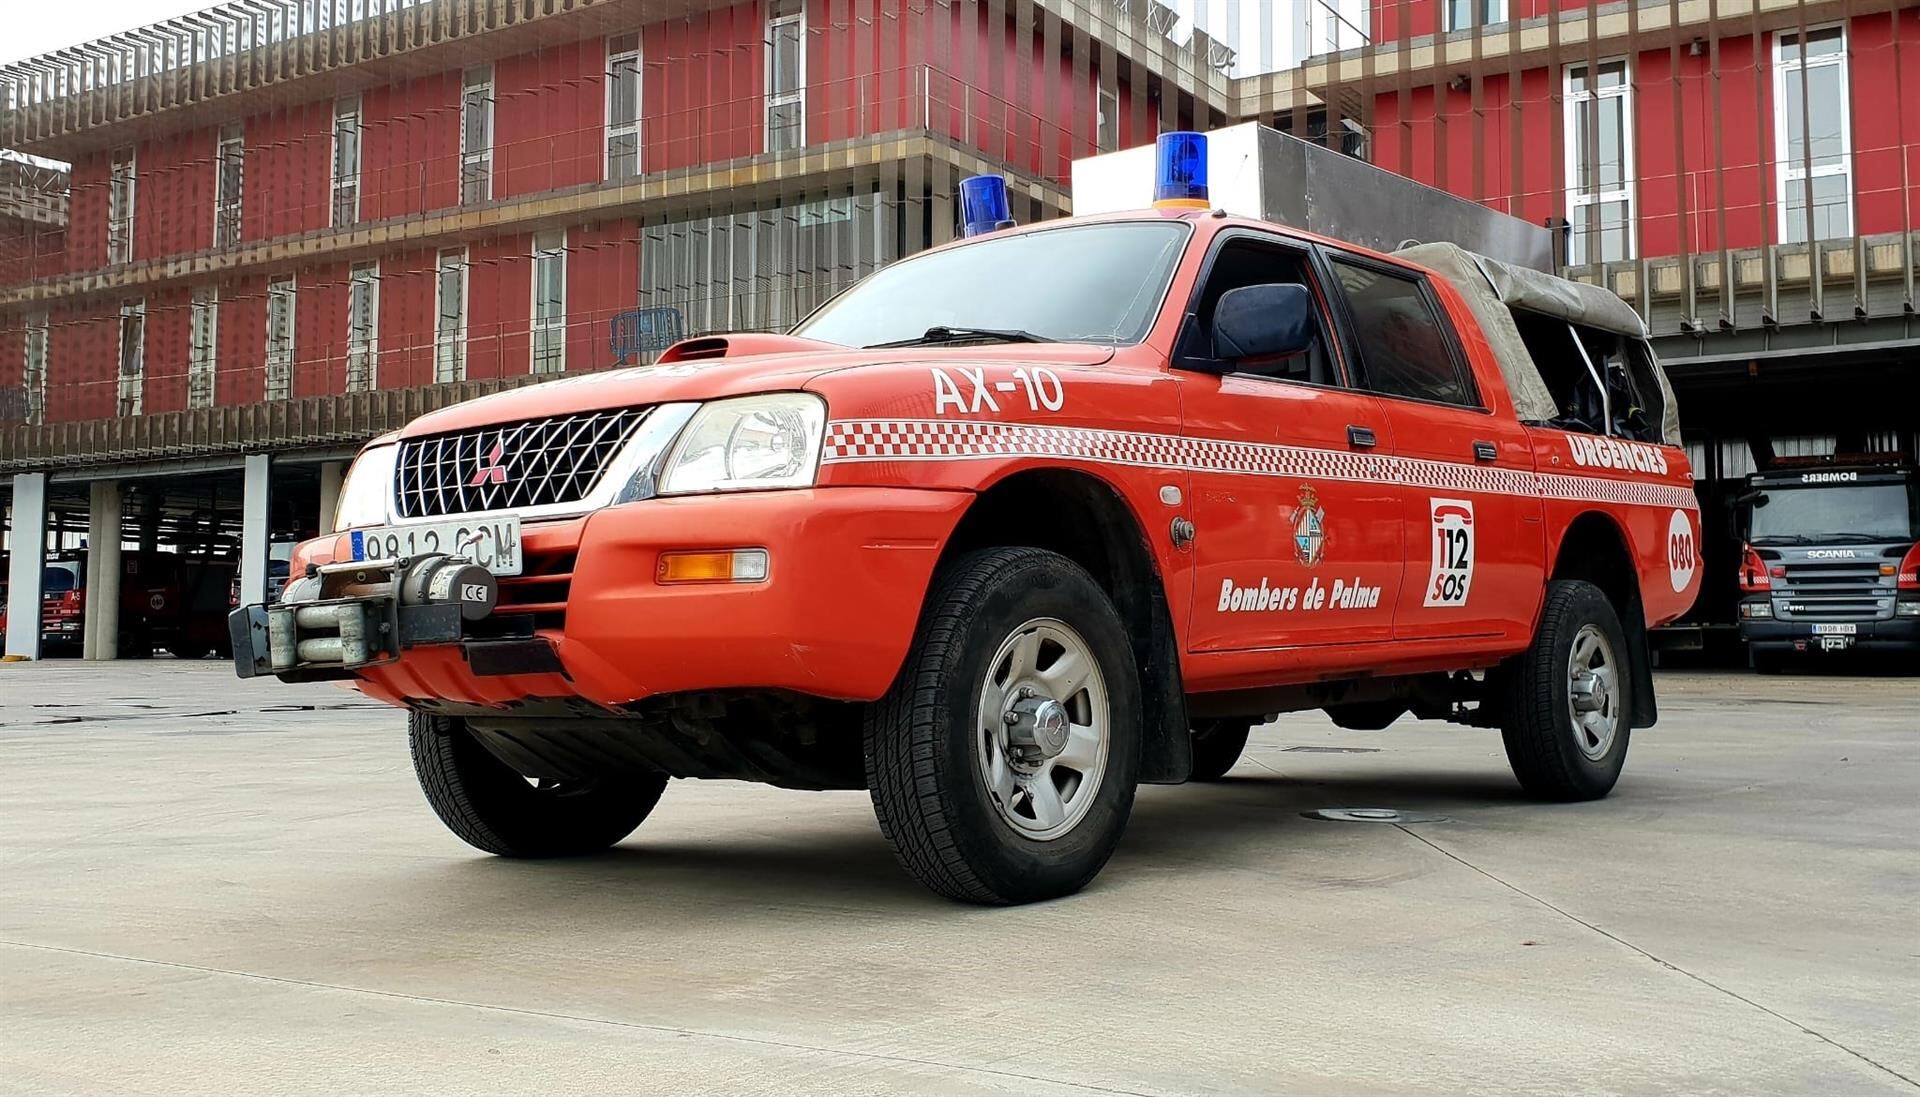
[
  {"x": 1297, "y": 532},
  {"x": 1474, "y": 534}
]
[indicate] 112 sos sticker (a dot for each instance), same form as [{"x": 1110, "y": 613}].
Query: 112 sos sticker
[{"x": 1451, "y": 578}]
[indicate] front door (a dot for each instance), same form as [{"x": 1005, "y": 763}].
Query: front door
[{"x": 1297, "y": 530}]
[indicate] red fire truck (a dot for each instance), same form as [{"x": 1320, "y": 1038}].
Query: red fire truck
[{"x": 1012, "y": 526}]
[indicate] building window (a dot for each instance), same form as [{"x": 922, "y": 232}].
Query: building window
[
  {"x": 1812, "y": 142},
  {"x": 786, "y": 75},
  {"x": 476, "y": 135},
  {"x": 34, "y": 380},
  {"x": 120, "y": 207},
  {"x": 363, "y": 327},
  {"x": 1467, "y": 14},
  {"x": 623, "y": 106},
  {"x": 346, "y": 161},
  {"x": 1106, "y": 122},
  {"x": 1599, "y": 136},
  {"x": 202, "y": 347},
  {"x": 450, "y": 324},
  {"x": 231, "y": 161},
  {"x": 550, "y": 302},
  {"x": 280, "y": 339},
  {"x": 133, "y": 357}
]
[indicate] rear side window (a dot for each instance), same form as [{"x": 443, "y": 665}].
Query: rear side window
[{"x": 1403, "y": 349}]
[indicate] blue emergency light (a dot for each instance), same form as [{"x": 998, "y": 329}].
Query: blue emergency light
[
  {"x": 1180, "y": 171},
  {"x": 983, "y": 205}
]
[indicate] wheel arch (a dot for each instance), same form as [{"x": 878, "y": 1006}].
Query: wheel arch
[
  {"x": 1085, "y": 518},
  {"x": 1595, "y": 549}
]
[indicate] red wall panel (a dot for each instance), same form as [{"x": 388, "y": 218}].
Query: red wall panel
[
  {"x": 499, "y": 306},
  {"x": 603, "y": 276},
  {"x": 547, "y": 114},
  {"x": 411, "y": 147},
  {"x": 320, "y": 331},
  {"x": 701, "y": 89},
  {"x": 87, "y": 213},
  {"x": 242, "y": 342},
  {"x": 168, "y": 323},
  {"x": 289, "y": 171},
  {"x": 1885, "y": 69},
  {"x": 82, "y": 360},
  {"x": 406, "y": 319},
  {"x": 173, "y": 195}
]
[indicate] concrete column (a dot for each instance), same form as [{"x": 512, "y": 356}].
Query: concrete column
[
  {"x": 255, "y": 539},
  {"x": 331, "y": 474},
  {"x": 101, "y": 639},
  {"x": 27, "y": 564}
]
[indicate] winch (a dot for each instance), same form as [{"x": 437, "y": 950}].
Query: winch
[{"x": 342, "y": 616}]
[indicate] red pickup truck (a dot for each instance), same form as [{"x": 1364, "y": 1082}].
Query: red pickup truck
[{"x": 1012, "y": 526}]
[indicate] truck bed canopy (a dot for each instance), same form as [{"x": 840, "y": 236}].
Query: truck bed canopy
[{"x": 1493, "y": 289}]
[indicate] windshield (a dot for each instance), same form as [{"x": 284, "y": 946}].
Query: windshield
[
  {"x": 1855, "y": 512},
  {"x": 1100, "y": 283},
  {"x": 59, "y": 578}
]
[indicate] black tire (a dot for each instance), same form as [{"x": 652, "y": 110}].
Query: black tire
[
  {"x": 1217, "y": 745},
  {"x": 1770, "y": 662},
  {"x": 188, "y": 649},
  {"x": 1543, "y": 744},
  {"x": 492, "y": 808},
  {"x": 927, "y": 788}
]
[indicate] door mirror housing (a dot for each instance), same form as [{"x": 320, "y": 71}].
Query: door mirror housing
[{"x": 1266, "y": 321}]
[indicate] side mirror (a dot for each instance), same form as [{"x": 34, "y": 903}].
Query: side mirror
[{"x": 1268, "y": 321}]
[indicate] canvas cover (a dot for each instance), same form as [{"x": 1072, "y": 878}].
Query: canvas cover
[{"x": 1492, "y": 287}]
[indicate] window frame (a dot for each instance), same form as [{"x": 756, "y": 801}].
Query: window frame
[
  {"x": 131, "y": 388},
  {"x": 285, "y": 288},
  {"x": 229, "y": 210},
  {"x": 1491, "y": 12},
  {"x": 639, "y": 103},
  {"x": 543, "y": 250},
  {"x": 472, "y": 79},
  {"x": 1463, "y": 369},
  {"x": 203, "y": 358},
  {"x": 1790, "y": 172},
  {"x": 353, "y": 121},
  {"x": 1332, "y": 324},
  {"x": 452, "y": 343},
  {"x": 787, "y": 98},
  {"x": 1573, "y": 101},
  {"x": 1102, "y": 120},
  {"x": 120, "y": 225},
  {"x": 367, "y": 274},
  {"x": 33, "y": 375}
]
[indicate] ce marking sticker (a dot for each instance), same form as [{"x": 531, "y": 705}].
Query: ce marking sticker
[{"x": 1452, "y": 535}]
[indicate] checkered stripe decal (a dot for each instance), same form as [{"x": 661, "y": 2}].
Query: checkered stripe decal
[{"x": 857, "y": 440}]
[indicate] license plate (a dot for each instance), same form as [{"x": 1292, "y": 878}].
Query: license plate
[
  {"x": 493, "y": 543},
  {"x": 1836, "y": 630}
]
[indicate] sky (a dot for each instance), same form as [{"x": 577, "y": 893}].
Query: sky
[{"x": 42, "y": 26}]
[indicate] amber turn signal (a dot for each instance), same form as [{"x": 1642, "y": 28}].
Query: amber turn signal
[{"x": 724, "y": 566}]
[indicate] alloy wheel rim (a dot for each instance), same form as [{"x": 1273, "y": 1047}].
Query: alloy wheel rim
[
  {"x": 1593, "y": 692},
  {"x": 1042, "y": 729}
]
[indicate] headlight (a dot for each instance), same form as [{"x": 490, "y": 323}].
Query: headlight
[
  {"x": 750, "y": 442},
  {"x": 369, "y": 484}
]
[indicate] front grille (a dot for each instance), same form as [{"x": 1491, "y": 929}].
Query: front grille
[{"x": 538, "y": 463}]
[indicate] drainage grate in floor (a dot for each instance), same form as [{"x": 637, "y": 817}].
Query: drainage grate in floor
[
  {"x": 1331, "y": 750},
  {"x": 1374, "y": 815}
]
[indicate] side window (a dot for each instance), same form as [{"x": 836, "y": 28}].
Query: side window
[
  {"x": 1248, "y": 262},
  {"x": 1403, "y": 349},
  {"x": 1617, "y": 394}
]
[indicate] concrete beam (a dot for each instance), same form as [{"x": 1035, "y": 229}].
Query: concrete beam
[
  {"x": 26, "y": 564},
  {"x": 101, "y": 638},
  {"x": 255, "y": 540}
]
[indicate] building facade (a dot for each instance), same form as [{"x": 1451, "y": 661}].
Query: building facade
[{"x": 235, "y": 245}]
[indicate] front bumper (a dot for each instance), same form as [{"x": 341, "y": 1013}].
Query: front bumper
[
  {"x": 834, "y": 617},
  {"x": 1768, "y": 637}
]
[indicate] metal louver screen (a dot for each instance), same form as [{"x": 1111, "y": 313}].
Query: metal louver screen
[{"x": 537, "y": 463}]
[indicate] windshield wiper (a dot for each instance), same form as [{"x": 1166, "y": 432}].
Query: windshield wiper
[
  {"x": 1857, "y": 538},
  {"x": 1783, "y": 539},
  {"x": 941, "y": 333}
]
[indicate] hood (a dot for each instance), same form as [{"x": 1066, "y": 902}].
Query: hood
[{"x": 716, "y": 378}]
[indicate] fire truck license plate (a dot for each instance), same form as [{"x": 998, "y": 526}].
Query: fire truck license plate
[
  {"x": 494, "y": 544},
  {"x": 1835, "y": 630}
]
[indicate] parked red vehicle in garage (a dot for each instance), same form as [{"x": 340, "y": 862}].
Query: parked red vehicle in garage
[
  {"x": 167, "y": 601},
  {"x": 1011, "y": 526}
]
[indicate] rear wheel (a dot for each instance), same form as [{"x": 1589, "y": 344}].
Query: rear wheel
[
  {"x": 489, "y": 806},
  {"x": 1217, "y": 746},
  {"x": 1569, "y": 696},
  {"x": 1002, "y": 762}
]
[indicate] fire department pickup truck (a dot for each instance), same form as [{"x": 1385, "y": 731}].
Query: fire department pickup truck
[{"x": 1010, "y": 527}]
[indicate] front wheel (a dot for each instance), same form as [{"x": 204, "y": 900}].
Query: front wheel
[
  {"x": 1566, "y": 720},
  {"x": 1002, "y": 762},
  {"x": 489, "y": 806}
]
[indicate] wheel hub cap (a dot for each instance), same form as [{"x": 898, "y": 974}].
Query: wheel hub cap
[
  {"x": 1037, "y": 727},
  {"x": 1041, "y": 741},
  {"x": 1593, "y": 692}
]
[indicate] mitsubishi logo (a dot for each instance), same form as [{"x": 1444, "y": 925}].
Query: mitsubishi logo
[{"x": 494, "y": 471}]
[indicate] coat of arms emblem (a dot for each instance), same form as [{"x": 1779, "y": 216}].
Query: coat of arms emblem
[{"x": 1309, "y": 528}]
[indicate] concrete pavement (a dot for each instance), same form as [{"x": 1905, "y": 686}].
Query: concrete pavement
[{"x": 214, "y": 886}]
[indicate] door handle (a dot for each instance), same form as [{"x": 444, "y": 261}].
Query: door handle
[
  {"x": 1360, "y": 437},
  {"x": 1485, "y": 451}
]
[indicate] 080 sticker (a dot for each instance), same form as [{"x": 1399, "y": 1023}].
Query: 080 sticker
[{"x": 1451, "y": 578}]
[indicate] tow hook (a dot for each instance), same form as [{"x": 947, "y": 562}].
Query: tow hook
[{"x": 340, "y": 617}]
